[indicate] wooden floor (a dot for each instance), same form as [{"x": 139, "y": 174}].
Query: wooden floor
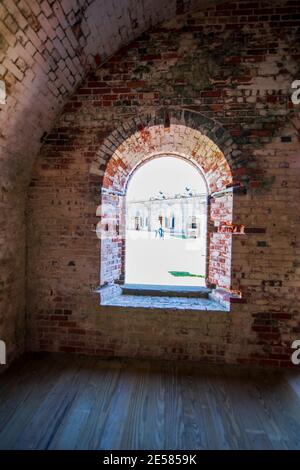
[{"x": 69, "y": 402}]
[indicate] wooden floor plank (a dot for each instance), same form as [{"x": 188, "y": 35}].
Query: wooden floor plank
[
  {"x": 115, "y": 417},
  {"x": 144, "y": 426},
  {"x": 250, "y": 433},
  {"x": 102, "y": 392},
  {"x": 27, "y": 393},
  {"x": 195, "y": 432},
  {"x": 50, "y": 411},
  {"x": 75, "y": 418},
  {"x": 283, "y": 407},
  {"x": 225, "y": 412},
  {"x": 174, "y": 410},
  {"x": 60, "y": 401}
]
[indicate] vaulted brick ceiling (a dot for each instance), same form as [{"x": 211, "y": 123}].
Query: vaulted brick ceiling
[{"x": 46, "y": 48}]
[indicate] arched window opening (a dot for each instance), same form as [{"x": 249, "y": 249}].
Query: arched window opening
[
  {"x": 205, "y": 147},
  {"x": 166, "y": 188}
]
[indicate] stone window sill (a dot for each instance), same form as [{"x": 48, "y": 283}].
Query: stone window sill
[
  {"x": 172, "y": 303},
  {"x": 164, "y": 298}
]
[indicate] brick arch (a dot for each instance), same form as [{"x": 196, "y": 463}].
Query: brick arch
[{"x": 184, "y": 133}]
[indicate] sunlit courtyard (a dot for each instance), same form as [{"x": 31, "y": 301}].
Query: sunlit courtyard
[
  {"x": 166, "y": 224},
  {"x": 169, "y": 261}
]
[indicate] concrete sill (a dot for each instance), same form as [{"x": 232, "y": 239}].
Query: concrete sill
[
  {"x": 165, "y": 291},
  {"x": 164, "y": 303}
]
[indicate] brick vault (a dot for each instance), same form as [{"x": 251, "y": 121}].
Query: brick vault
[{"x": 92, "y": 87}]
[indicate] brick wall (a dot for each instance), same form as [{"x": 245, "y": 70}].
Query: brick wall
[
  {"x": 46, "y": 49},
  {"x": 233, "y": 64}
]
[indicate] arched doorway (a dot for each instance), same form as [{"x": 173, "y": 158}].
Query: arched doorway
[{"x": 166, "y": 244}]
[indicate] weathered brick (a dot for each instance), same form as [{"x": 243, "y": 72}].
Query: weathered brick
[{"x": 221, "y": 63}]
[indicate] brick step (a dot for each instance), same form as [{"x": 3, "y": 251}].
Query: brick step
[{"x": 166, "y": 291}]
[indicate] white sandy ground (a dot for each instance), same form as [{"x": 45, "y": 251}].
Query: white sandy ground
[{"x": 149, "y": 259}]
